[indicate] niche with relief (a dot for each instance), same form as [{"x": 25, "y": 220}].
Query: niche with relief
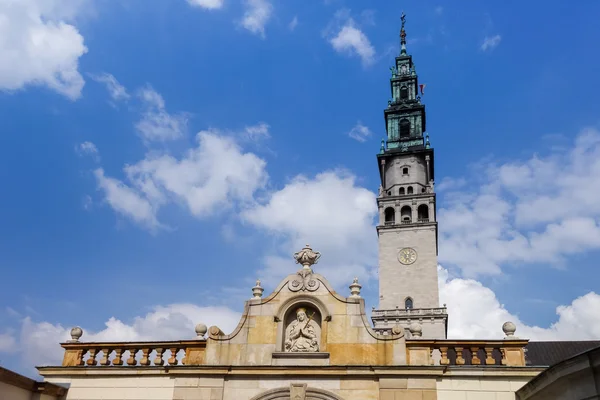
[{"x": 302, "y": 332}]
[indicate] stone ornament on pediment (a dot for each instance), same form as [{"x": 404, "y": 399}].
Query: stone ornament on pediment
[{"x": 304, "y": 279}]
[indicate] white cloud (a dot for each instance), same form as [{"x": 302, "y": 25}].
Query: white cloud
[
  {"x": 39, "y": 341},
  {"x": 329, "y": 211},
  {"x": 88, "y": 148},
  {"x": 490, "y": 42},
  {"x": 212, "y": 177},
  {"x": 539, "y": 210},
  {"x": 439, "y": 10},
  {"x": 293, "y": 23},
  {"x": 256, "y": 133},
  {"x": 475, "y": 313},
  {"x": 115, "y": 89},
  {"x": 126, "y": 201},
  {"x": 40, "y": 46},
  {"x": 256, "y": 16},
  {"x": 8, "y": 343},
  {"x": 206, "y": 4},
  {"x": 351, "y": 40},
  {"x": 156, "y": 123},
  {"x": 360, "y": 132}
]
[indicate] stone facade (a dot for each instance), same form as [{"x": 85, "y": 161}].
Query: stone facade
[
  {"x": 303, "y": 341},
  {"x": 338, "y": 384}
]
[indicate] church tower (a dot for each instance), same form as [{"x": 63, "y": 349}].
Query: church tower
[{"x": 407, "y": 228}]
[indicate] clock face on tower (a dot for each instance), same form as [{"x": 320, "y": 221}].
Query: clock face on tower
[{"x": 407, "y": 256}]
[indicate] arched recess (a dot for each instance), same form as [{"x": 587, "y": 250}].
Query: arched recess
[
  {"x": 284, "y": 394},
  {"x": 390, "y": 216},
  {"x": 290, "y": 306},
  {"x": 423, "y": 213},
  {"x": 408, "y": 303},
  {"x": 404, "y": 128},
  {"x": 402, "y": 191},
  {"x": 403, "y": 93},
  {"x": 406, "y": 214},
  {"x": 410, "y": 190}
]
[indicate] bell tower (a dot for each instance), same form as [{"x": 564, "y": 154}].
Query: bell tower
[{"x": 407, "y": 228}]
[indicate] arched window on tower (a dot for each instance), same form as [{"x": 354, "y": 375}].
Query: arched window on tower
[
  {"x": 404, "y": 128},
  {"x": 406, "y": 214},
  {"x": 402, "y": 191},
  {"x": 408, "y": 303},
  {"x": 390, "y": 216},
  {"x": 403, "y": 93},
  {"x": 410, "y": 190},
  {"x": 423, "y": 213}
]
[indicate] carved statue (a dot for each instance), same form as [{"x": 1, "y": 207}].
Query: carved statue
[{"x": 301, "y": 334}]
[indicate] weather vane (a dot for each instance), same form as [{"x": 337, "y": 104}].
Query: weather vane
[{"x": 403, "y": 19}]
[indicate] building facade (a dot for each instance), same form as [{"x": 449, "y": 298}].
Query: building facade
[{"x": 305, "y": 341}]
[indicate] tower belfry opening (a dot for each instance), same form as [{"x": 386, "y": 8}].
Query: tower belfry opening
[{"x": 407, "y": 229}]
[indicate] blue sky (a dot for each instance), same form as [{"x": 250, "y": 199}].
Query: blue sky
[{"x": 159, "y": 156}]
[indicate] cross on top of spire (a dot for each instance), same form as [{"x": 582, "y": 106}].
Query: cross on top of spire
[{"x": 403, "y": 34}]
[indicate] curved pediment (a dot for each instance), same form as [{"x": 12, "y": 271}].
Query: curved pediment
[{"x": 304, "y": 321}]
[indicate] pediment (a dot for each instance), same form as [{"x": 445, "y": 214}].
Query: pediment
[{"x": 304, "y": 321}]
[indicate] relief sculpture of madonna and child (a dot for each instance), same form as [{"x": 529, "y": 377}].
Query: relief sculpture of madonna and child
[{"x": 302, "y": 334}]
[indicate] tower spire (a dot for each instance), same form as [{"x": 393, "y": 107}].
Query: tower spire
[{"x": 403, "y": 34}]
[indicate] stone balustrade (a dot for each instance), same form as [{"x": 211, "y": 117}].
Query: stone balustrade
[
  {"x": 466, "y": 352},
  {"x": 408, "y": 312},
  {"x": 81, "y": 354}
]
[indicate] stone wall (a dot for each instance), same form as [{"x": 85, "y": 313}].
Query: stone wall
[{"x": 220, "y": 383}]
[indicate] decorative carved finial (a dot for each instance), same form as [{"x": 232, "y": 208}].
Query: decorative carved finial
[
  {"x": 416, "y": 330},
  {"x": 307, "y": 257},
  {"x": 257, "y": 291},
  {"x": 509, "y": 329},
  {"x": 76, "y": 333},
  {"x": 201, "y": 330},
  {"x": 427, "y": 144},
  {"x": 382, "y": 149},
  {"x": 355, "y": 288}
]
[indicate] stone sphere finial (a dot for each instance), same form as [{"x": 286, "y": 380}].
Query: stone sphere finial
[
  {"x": 509, "y": 329},
  {"x": 416, "y": 330},
  {"x": 397, "y": 330},
  {"x": 307, "y": 257},
  {"x": 257, "y": 290},
  {"x": 76, "y": 333},
  {"x": 355, "y": 288},
  {"x": 201, "y": 330}
]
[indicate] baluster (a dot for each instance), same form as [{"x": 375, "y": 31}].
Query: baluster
[
  {"x": 92, "y": 359},
  {"x": 475, "y": 357},
  {"x": 489, "y": 359},
  {"x": 105, "y": 354},
  {"x": 503, "y": 351},
  {"x": 118, "y": 354},
  {"x": 145, "y": 356},
  {"x": 158, "y": 360},
  {"x": 173, "y": 358},
  {"x": 444, "y": 352},
  {"x": 131, "y": 360},
  {"x": 459, "y": 358},
  {"x": 80, "y": 354}
]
